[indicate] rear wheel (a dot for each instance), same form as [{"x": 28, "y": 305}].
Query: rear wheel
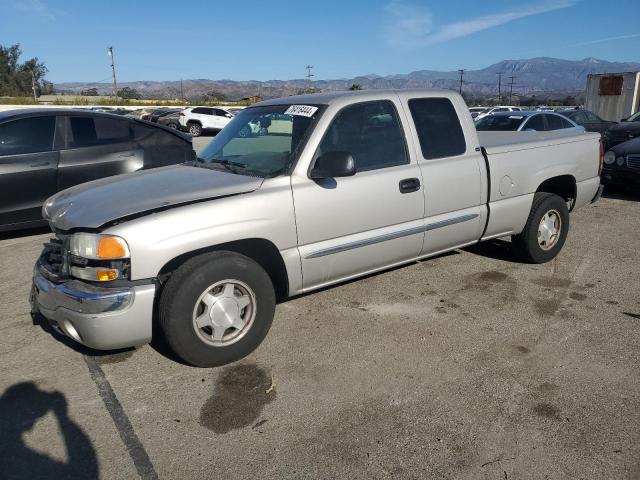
[
  {"x": 194, "y": 129},
  {"x": 216, "y": 308},
  {"x": 545, "y": 231}
]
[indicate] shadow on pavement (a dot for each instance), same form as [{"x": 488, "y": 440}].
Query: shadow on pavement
[
  {"x": 621, "y": 194},
  {"x": 21, "y": 405},
  {"x": 497, "y": 249}
]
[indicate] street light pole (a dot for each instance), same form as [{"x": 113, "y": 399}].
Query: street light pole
[{"x": 113, "y": 71}]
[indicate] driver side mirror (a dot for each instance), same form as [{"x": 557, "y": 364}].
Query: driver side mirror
[
  {"x": 332, "y": 165},
  {"x": 623, "y": 119}
]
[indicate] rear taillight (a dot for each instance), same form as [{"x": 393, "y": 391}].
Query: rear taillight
[
  {"x": 181, "y": 114},
  {"x": 601, "y": 165}
]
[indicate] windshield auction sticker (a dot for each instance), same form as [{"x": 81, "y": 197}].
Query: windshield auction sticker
[{"x": 302, "y": 110}]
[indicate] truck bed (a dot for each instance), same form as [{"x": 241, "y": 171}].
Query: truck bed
[{"x": 502, "y": 142}]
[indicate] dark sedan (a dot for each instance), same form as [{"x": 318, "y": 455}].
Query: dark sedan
[
  {"x": 627, "y": 129},
  {"x": 589, "y": 120},
  {"x": 43, "y": 151},
  {"x": 622, "y": 164}
]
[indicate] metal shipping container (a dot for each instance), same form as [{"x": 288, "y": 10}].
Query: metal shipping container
[{"x": 613, "y": 96}]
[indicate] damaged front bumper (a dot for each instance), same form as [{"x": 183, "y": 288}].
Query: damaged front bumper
[{"x": 98, "y": 317}]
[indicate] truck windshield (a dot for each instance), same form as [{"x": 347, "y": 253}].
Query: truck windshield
[
  {"x": 499, "y": 122},
  {"x": 261, "y": 141}
]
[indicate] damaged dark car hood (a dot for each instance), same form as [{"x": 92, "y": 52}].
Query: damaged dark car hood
[{"x": 96, "y": 203}]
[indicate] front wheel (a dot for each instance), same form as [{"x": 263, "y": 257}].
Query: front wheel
[
  {"x": 545, "y": 231},
  {"x": 216, "y": 308}
]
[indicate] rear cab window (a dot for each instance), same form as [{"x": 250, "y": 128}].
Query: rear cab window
[
  {"x": 438, "y": 127},
  {"x": 27, "y": 135}
]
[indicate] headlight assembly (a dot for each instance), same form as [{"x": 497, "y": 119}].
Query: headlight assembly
[
  {"x": 98, "y": 247},
  {"x": 609, "y": 157},
  {"x": 98, "y": 258}
]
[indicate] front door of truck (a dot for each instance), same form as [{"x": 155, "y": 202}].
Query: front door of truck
[
  {"x": 452, "y": 169},
  {"x": 352, "y": 225}
]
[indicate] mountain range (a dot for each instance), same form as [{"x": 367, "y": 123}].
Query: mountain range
[{"x": 534, "y": 75}]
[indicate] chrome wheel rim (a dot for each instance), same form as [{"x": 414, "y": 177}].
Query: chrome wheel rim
[
  {"x": 193, "y": 130},
  {"x": 549, "y": 229},
  {"x": 224, "y": 312}
]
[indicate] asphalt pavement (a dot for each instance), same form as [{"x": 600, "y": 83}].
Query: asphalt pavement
[{"x": 470, "y": 365}]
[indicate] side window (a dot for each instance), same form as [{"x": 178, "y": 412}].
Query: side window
[
  {"x": 220, "y": 113},
  {"x": 556, "y": 122},
  {"x": 90, "y": 131},
  {"x": 536, "y": 122},
  {"x": 580, "y": 118},
  {"x": 370, "y": 132},
  {"x": 592, "y": 117},
  {"x": 198, "y": 110},
  {"x": 27, "y": 135},
  {"x": 438, "y": 127}
]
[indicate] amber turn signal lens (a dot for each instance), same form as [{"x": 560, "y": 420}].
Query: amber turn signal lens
[
  {"x": 106, "y": 275},
  {"x": 112, "y": 247}
]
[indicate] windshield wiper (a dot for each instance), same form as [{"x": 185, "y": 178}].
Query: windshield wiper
[{"x": 226, "y": 164}]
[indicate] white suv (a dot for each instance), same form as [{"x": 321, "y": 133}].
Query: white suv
[
  {"x": 492, "y": 110},
  {"x": 197, "y": 119}
]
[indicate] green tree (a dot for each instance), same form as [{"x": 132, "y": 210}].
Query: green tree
[
  {"x": 128, "y": 92},
  {"x": 16, "y": 78},
  {"x": 355, "y": 86}
]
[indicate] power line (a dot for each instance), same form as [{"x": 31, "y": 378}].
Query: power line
[{"x": 461, "y": 72}]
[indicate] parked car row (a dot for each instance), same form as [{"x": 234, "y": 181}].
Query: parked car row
[{"x": 43, "y": 151}]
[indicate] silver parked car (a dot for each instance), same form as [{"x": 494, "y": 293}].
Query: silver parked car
[{"x": 526, "y": 122}]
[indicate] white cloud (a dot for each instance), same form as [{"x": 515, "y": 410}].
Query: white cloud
[
  {"x": 603, "y": 40},
  {"x": 410, "y": 25},
  {"x": 39, "y": 9}
]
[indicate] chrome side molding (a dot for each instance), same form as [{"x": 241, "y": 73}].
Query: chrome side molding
[{"x": 390, "y": 236}]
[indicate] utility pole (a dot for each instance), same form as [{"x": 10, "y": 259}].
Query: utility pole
[
  {"x": 113, "y": 70},
  {"x": 511, "y": 89},
  {"x": 181, "y": 92},
  {"x": 500, "y": 87},
  {"x": 309, "y": 75},
  {"x": 33, "y": 86},
  {"x": 461, "y": 72}
]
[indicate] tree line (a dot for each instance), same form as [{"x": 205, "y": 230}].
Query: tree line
[{"x": 17, "y": 79}]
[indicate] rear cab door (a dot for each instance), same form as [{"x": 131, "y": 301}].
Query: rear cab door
[
  {"x": 28, "y": 164},
  {"x": 452, "y": 167},
  {"x": 97, "y": 146}
]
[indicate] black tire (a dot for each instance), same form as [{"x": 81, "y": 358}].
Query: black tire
[
  {"x": 180, "y": 296},
  {"x": 526, "y": 244},
  {"x": 245, "y": 132},
  {"x": 195, "y": 129}
]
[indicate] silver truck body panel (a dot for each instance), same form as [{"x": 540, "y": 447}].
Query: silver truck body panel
[
  {"x": 332, "y": 230},
  {"x": 93, "y": 204}
]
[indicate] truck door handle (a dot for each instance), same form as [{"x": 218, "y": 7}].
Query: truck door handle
[{"x": 409, "y": 185}]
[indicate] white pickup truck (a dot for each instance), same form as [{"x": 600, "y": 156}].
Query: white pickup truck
[{"x": 341, "y": 185}]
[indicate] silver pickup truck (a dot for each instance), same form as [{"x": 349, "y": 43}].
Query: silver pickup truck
[{"x": 334, "y": 186}]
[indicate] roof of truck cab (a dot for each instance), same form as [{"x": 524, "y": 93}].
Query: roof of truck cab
[{"x": 327, "y": 98}]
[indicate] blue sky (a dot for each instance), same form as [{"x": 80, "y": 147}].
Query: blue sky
[{"x": 261, "y": 40}]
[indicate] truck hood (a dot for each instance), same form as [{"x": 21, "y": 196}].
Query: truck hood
[{"x": 96, "y": 203}]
